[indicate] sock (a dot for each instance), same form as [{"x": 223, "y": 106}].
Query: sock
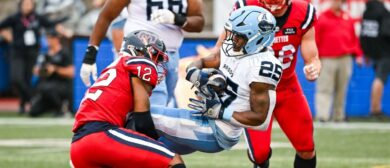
[{"x": 305, "y": 163}]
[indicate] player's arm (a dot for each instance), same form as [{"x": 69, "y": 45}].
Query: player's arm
[
  {"x": 110, "y": 11},
  {"x": 211, "y": 61},
  {"x": 141, "y": 116},
  {"x": 195, "y": 19},
  {"x": 262, "y": 101},
  {"x": 310, "y": 55}
]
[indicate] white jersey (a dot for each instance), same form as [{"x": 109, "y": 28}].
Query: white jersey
[
  {"x": 241, "y": 72},
  {"x": 139, "y": 12}
]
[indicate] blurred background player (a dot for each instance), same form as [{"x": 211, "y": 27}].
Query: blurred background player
[
  {"x": 335, "y": 28},
  {"x": 295, "y": 20},
  {"x": 55, "y": 72},
  {"x": 375, "y": 42},
  {"x": 124, "y": 86},
  {"x": 165, "y": 18}
]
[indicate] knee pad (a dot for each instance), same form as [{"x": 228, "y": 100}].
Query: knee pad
[{"x": 264, "y": 164}]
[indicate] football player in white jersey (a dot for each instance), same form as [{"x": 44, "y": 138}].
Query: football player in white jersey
[
  {"x": 252, "y": 73},
  {"x": 166, "y": 18}
]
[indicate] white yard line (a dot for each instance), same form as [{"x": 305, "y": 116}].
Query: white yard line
[
  {"x": 45, "y": 142},
  {"x": 36, "y": 121},
  {"x": 69, "y": 121}
]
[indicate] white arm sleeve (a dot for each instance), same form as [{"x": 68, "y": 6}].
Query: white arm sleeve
[{"x": 265, "y": 124}]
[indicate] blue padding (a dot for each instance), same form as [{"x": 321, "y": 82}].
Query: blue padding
[
  {"x": 4, "y": 69},
  {"x": 104, "y": 57}
]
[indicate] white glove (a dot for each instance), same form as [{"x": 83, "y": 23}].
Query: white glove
[
  {"x": 210, "y": 107},
  {"x": 163, "y": 16},
  {"x": 311, "y": 72},
  {"x": 86, "y": 71}
]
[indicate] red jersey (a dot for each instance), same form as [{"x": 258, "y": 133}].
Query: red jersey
[
  {"x": 298, "y": 19},
  {"x": 110, "y": 98}
]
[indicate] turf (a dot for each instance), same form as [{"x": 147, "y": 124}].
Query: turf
[{"x": 45, "y": 143}]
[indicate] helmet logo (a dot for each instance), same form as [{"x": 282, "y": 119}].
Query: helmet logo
[
  {"x": 265, "y": 24},
  {"x": 146, "y": 38}
]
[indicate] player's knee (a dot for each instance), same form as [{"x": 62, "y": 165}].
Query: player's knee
[
  {"x": 306, "y": 155},
  {"x": 260, "y": 159}
]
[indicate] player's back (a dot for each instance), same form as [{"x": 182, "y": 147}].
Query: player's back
[
  {"x": 110, "y": 98},
  {"x": 139, "y": 19}
]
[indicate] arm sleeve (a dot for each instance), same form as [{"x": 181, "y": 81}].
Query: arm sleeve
[
  {"x": 310, "y": 18},
  {"x": 143, "y": 123}
]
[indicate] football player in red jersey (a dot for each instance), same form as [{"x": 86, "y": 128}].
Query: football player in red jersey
[
  {"x": 295, "y": 28},
  {"x": 100, "y": 139}
]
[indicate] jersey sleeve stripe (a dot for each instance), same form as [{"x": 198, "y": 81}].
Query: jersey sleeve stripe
[
  {"x": 309, "y": 17},
  {"x": 141, "y": 61},
  {"x": 240, "y": 3},
  {"x": 140, "y": 142}
]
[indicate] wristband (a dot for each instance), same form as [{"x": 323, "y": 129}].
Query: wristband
[
  {"x": 90, "y": 54},
  {"x": 179, "y": 19},
  {"x": 227, "y": 114}
]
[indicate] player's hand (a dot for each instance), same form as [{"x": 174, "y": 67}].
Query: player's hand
[
  {"x": 86, "y": 71},
  {"x": 163, "y": 16},
  {"x": 207, "y": 81},
  {"x": 311, "y": 72},
  {"x": 210, "y": 107},
  {"x": 88, "y": 67},
  {"x": 166, "y": 16}
]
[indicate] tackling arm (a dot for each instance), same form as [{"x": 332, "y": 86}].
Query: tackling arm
[
  {"x": 310, "y": 55},
  {"x": 141, "y": 116}
]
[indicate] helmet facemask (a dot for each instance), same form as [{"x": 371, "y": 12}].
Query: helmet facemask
[
  {"x": 234, "y": 43},
  {"x": 159, "y": 57}
]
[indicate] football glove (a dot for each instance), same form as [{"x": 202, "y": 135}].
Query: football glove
[
  {"x": 207, "y": 81},
  {"x": 210, "y": 107},
  {"x": 88, "y": 67},
  {"x": 166, "y": 16}
]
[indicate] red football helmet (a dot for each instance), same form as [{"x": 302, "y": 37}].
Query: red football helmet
[{"x": 276, "y": 7}]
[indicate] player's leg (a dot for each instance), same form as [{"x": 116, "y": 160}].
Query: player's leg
[
  {"x": 259, "y": 150},
  {"x": 342, "y": 79},
  {"x": 295, "y": 120},
  {"x": 172, "y": 76},
  {"x": 120, "y": 148},
  {"x": 183, "y": 132}
]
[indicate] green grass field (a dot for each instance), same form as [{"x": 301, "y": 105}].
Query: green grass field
[{"x": 44, "y": 143}]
